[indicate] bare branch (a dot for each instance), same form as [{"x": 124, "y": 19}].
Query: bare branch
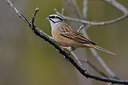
[
  {"x": 85, "y": 2},
  {"x": 111, "y": 2},
  {"x": 42, "y": 32},
  {"x": 119, "y": 6},
  {"x": 94, "y": 23},
  {"x": 77, "y": 59},
  {"x": 82, "y": 71},
  {"x": 84, "y": 32},
  {"x": 76, "y": 9},
  {"x": 71, "y": 6},
  {"x": 18, "y": 13},
  {"x": 80, "y": 28},
  {"x": 87, "y": 26},
  {"x": 85, "y": 7},
  {"x": 109, "y": 71},
  {"x": 92, "y": 49},
  {"x": 95, "y": 68}
]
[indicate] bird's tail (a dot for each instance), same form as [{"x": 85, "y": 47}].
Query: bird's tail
[{"x": 101, "y": 49}]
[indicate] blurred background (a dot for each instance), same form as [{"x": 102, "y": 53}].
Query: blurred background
[{"x": 26, "y": 59}]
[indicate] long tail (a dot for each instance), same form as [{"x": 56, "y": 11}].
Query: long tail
[{"x": 101, "y": 49}]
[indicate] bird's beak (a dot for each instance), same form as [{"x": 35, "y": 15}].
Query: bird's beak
[{"x": 47, "y": 18}]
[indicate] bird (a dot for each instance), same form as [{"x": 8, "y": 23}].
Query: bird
[{"x": 67, "y": 37}]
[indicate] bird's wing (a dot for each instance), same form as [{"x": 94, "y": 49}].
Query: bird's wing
[{"x": 67, "y": 32}]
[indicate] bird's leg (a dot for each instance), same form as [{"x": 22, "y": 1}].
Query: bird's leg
[
  {"x": 68, "y": 48},
  {"x": 64, "y": 47}
]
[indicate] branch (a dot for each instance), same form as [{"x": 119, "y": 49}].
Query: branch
[
  {"x": 73, "y": 10},
  {"x": 111, "y": 2},
  {"x": 95, "y": 23},
  {"x": 85, "y": 8},
  {"x": 108, "y": 70},
  {"x": 83, "y": 72},
  {"x": 118, "y": 6},
  {"x": 94, "y": 67},
  {"x": 77, "y": 59}
]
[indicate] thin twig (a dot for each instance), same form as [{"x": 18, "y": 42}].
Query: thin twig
[
  {"x": 62, "y": 11},
  {"x": 96, "y": 69},
  {"x": 95, "y": 23},
  {"x": 94, "y": 51},
  {"x": 76, "y": 9},
  {"x": 85, "y": 7},
  {"x": 87, "y": 26},
  {"x": 85, "y": 33},
  {"x": 77, "y": 13},
  {"x": 108, "y": 70},
  {"x": 41, "y": 31},
  {"x": 80, "y": 28},
  {"x": 82, "y": 71},
  {"x": 118, "y": 6},
  {"x": 73, "y": 11},
  {"x": 111, "y": 2},
  {"x": 77, "y": 59}
]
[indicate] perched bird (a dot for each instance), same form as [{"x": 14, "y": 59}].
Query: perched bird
[{"x": 65, "y": 35}]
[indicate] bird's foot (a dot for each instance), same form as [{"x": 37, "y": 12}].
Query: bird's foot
[{"x": 67, "y": 47}]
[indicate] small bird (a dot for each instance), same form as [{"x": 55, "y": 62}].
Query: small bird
[{"x": 65, "y": 35}]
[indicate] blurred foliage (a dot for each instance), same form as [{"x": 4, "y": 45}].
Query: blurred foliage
[{"x": 25, "y": 59}]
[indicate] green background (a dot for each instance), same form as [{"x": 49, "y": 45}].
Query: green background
[{"x": 26, "y": 59}]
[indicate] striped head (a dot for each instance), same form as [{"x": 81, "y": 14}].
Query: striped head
[{"x": 55, "y": 20}]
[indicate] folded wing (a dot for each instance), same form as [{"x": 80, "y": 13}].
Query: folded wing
[{"x": 67, "y": 32}]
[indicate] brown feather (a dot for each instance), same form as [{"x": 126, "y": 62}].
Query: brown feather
[
  {"x": 69, "y": 37},
  {"x": 72, "y": 34}
]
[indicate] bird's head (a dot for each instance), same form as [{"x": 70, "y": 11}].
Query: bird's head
[{"x": 55, "y": 19}]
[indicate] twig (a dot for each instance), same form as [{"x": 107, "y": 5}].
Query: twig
[
  {"x": 77, "y": 59},
  {"x": 87, "y": 26},
  {"x": 85, "y": 7},
  {"x": 76, "y": 15},
  {"x": 84, "y": 13},
  {"x": 73, "y": 11},
  {"x": 94, "y": 51},
  {"x": 83, "y": 72},
  {"x": 95, "y": 23},
  {"x": 111, "y": 2},
  {"x": 76, "y": 9},
  {"x": 62, "y": 11},
  {"x": 96, "y": 69},
  {"x": 118, "y": 6},
  {"x": 45, "y": 34},
  {"x": 80, "y": 28},
  {"x": 108, "y": 70}
]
